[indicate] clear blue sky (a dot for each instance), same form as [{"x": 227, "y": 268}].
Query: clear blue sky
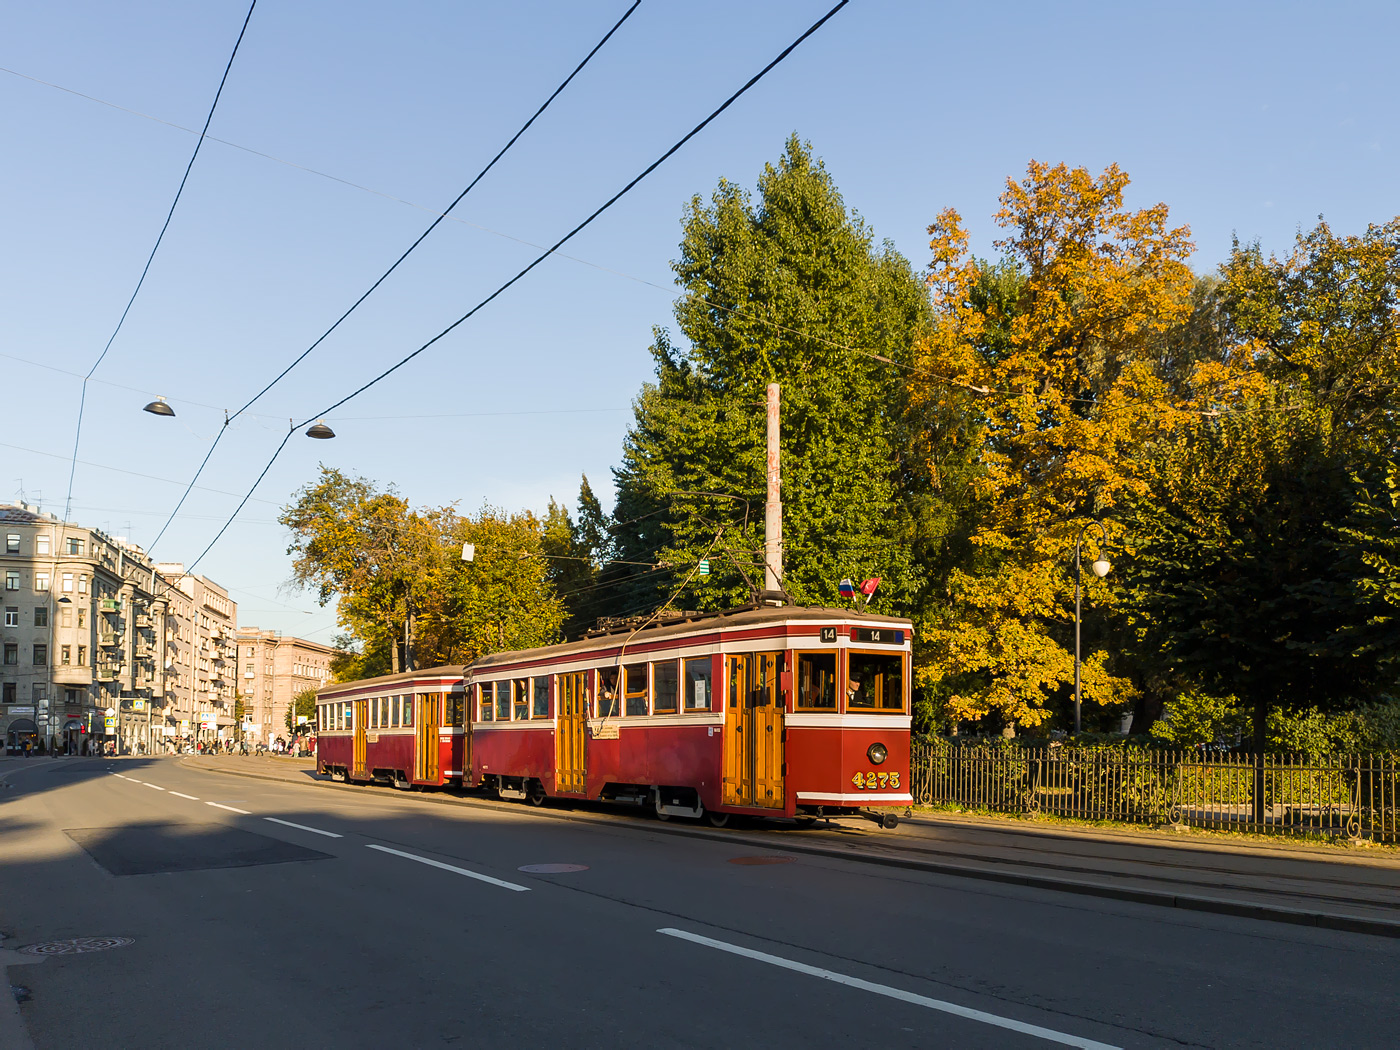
[{"x": 1246, "y": 118}]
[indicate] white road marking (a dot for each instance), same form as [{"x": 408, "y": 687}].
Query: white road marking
[
  {"x": 220, "y": 805},
  {"x": 303, "y": 827},
  {"x": 157, "y": 787},
  {"x": 453, "y": 868},
  {"x": 181, "y": 794},
  {"x": 896, "y": 993}
]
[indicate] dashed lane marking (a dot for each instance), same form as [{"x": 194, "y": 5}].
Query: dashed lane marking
[
  {"x": 1010, "y": 1024},
  {"x": 181, "y": 794},
  {"x": 220, "y": 805},
  {"x": 156, "y": 786},
  {"x": 303, "y": 827},
  {"x": 452, "y": 868}
]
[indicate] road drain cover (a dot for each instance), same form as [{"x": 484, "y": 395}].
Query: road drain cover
[
  {"x": 551, "y": 869},
  {"x": 760, "y": 860},
  {"x": 76, "y": 946}
]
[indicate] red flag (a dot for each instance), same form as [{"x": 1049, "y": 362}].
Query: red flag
[{"x": 867, "y": 588}]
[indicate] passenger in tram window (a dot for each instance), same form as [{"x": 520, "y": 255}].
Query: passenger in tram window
[
  {"x": 502, "y": 701},
  {"x": 487, "y": 709},
  {"x": 607, "y": 692},
  {"x": 521, "y": 689},
  {"x": 664, "y": 687},
  {"x": 636, "y": 687},
  {"x": 541, "y": 697},
  {"x": 697, "y": 684}
]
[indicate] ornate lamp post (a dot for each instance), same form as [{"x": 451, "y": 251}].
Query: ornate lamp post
[{"x": 1100, "y": 568}]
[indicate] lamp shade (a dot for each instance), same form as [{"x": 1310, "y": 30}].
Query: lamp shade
[
  {"x": 1101, "y": 568},
  {"x": 320, "y": 430},
  {"x": 158, "y": 407}
]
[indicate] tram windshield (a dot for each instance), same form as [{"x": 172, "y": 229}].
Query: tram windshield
[{"x": 875, "y": 682}]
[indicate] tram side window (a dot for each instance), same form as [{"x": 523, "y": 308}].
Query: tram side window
[
  {"x": 664, "y": 687},
  {"x": 637, "y": 689},
  {"x": 487, "y": 711},
  {"x": 875, "y": 682},
  {"x": 503, "y": 701},
  {"x": 395, "y": 709},
  {"x": 541, "y": 697},
  {"x": 816, "y": 681},
  {"x": 607, "y": 692},
  {"x": 452, "y": 709},
  {"x": 521, "y": 690},
  {"x": 408, "y": 706},
  {"x": 697, "y": 684}
]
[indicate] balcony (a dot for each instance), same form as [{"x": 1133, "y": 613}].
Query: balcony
[
  {"x": 109, "y": 606},
  {"x": 108, "y": 674},
  {"x": 68, "y": 674},
  {"x": 111, "y": 641}
]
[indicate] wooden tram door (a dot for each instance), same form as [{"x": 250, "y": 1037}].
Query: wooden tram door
[
  {"x": 571, "y": 698},
  {"x": 361, "y": 717},
  {"x": 753, "y": 731},
  {"x": 429, "y": 718}
]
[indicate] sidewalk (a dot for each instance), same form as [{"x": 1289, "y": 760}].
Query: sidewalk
[{"x": 1354, "y": 889}]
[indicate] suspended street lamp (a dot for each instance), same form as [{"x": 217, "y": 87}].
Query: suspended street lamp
[
  {"x": 320, "y": 430},
  {"x": 158, "y": 407}
]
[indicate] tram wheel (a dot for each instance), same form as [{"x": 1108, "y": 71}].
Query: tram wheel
[
  {"x": 535, "y": 795},
  {"x": 889, "y": 821},
  {"x": 716, "y": 819},
  {"x": 805, "y": 822},
  {"x": 659, "y": 806}
]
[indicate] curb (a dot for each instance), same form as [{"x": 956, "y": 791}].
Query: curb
[{"x": 1158, "y": 898}]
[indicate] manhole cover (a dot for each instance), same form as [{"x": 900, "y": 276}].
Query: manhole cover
[
  {"x": 760, "y": 860},
  {"x": 76, "y": 946},
  {"x": 551, "y": 869}
]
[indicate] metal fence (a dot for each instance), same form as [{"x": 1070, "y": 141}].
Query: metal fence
[{"x": 1352, "y": 796}]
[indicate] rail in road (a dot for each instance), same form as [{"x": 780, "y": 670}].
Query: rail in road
[
  {"x": 1306, "y": 887},
  {"x": 161, "y": 904}
]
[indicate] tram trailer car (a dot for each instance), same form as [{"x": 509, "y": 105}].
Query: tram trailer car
[
  {"x": 401, "y": 729},
  {"x": 770, "y": 711}
]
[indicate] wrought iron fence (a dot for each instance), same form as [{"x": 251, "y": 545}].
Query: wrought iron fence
[{"x": 1355, "y": 796}]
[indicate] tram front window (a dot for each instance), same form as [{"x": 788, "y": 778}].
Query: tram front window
[
  {"x": 816, "y": 681},
  {"x": 875, "y": 682}
]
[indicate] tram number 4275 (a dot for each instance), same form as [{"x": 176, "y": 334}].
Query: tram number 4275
[{"x": 874, "y": 781}]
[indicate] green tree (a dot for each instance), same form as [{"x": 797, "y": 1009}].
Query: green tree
[
  {"x": 789, "y": 287},
  {"x": 303, "y": 705}
]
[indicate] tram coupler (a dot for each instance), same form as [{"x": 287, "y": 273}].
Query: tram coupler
[{"x": 885, "y": 818}]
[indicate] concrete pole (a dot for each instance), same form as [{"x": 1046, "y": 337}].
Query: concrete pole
[{"x": 773, "y": 508}]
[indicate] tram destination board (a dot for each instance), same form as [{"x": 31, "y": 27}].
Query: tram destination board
[{"x": 877, "y": 635}]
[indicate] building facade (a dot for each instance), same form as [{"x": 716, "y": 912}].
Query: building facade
[
  {"x": 202, "y": 656},
  {"x": 272, "y": 670}
]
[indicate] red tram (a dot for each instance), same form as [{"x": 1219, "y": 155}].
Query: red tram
[
  {"x": 769, "y": 711},
  {"x": 401, "y": 729}
]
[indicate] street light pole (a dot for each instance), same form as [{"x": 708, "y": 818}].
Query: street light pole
[{"x": 1100, "y": 567}]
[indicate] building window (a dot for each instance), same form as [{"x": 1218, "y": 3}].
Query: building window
[
  {"x": 11, "y": 579},
  {"x": 11, "y": 653},
  {"x": 75, "y": 546},
  {"x": 65, "y": 655},
  {"x": 67, "y": 583},
  {"x": 41, "y": 544},
  {"x": 41, "y": 655},
  {"x": 82, "y": 656},
  {"x": 12, "y": 617},
  {"x": 82, "y": 584},
  {"x": 72, "y": 696},
  {"x": 82, "y": 619},
  {"x": 65, "y": 617},
  {"x": 41, "y": 581},
  {"x": 41, "y": 616},
  {"x": 36, "y": 693},
  {"x": 7, "y": 695},
  {"x": 12, "y": 543}
]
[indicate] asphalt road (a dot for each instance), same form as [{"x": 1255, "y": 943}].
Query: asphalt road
[{"x": 265, "y": 914}]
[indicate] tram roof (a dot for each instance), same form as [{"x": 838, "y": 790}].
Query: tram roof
[
  {"x": 691, "y": 625},
  {"x": 446, "y": 672}
]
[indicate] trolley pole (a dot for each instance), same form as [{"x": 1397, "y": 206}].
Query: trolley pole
[{"x": 773, "y": 508}]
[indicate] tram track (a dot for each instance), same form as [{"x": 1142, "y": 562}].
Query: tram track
[{"x": 1157, "y": 888}]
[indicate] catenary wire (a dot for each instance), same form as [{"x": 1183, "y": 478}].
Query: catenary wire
[
  {"x": 82, "y": 397},
  {"x": 539, "y": 259},
  {"x": 397, "y": 262}
]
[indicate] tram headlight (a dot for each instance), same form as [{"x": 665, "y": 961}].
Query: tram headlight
[{"x": 877, "y": 753}]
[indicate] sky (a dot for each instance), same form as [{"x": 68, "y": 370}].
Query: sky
[{"x": 353, "y": 123}]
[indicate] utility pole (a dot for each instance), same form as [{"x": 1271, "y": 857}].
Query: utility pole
[{"x": 773, "y": 508}]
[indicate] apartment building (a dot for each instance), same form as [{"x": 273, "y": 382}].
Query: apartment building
[
  {"x": 201, "y": 656},
  {"x": 272, "y": 669},
  {"x": 81, "y": 634}
]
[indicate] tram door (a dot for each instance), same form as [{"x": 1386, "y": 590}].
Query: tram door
[
  {"x": 571, "y": 699},
  {"x": 753, "y": 731},
  {"x": 429, "y": 718},
  {"x": 361, "y": 717}
]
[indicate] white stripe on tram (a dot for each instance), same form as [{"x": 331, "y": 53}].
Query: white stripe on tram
[
  {"x": 886, "y": 990},
  {"x": 452, "y": 868}
]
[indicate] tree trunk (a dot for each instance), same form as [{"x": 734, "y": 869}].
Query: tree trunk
[{"x": 1261, "y": 713}]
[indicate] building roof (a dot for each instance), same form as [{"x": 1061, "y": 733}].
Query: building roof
[{"x": 24, "y": 515}]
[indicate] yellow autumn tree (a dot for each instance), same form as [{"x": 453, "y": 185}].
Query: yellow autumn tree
[{"x": 1053, "y": 356}]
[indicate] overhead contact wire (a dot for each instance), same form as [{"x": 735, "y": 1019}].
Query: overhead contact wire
[
  {"x": 82, "y": 398},
  {"x": 544, "y": 255},
  {"x": 407, "y": 252}
]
